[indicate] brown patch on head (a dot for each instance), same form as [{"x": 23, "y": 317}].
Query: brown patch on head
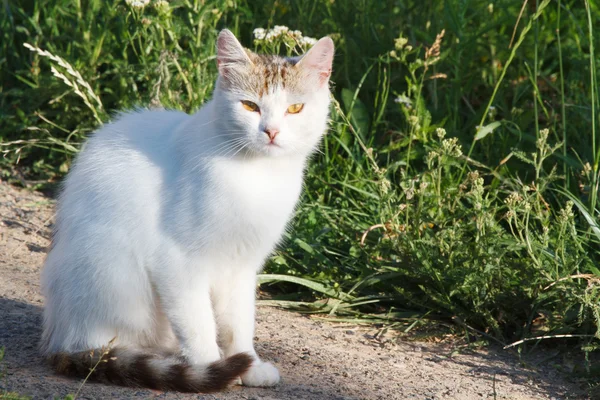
[{"x": 266, "y": 74}]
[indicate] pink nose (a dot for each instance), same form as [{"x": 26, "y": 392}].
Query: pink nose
[{"x": 271, "y": 132}]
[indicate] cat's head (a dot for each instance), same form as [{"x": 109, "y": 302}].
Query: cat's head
[{"x": 271, "y": 105}]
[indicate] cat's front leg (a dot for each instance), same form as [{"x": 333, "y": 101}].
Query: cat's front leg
[
  {"x": 234, "y": 302},
  {"x": 184, "y": 295}
]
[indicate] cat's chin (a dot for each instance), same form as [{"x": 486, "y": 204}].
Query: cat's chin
[{"x": 274, "y": 150}]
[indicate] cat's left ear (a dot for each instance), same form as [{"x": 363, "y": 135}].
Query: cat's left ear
[
  {"x": 319, "y": 59},
  {"x": 230, "y": 53}
]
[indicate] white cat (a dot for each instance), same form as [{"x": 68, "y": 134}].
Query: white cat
[{"x": 165, "y": 219}]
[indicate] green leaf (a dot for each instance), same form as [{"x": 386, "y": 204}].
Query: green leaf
[
  {"x": 304, "y": 246},
  {"x": 356, "y": 111},
  {"x": 316, "y": 286},
  {"x": 486, "y": 130},
  {"x": 591, "y": 219}
]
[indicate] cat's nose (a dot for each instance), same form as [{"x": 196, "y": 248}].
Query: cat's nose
[{"x": 271, "y": 132}]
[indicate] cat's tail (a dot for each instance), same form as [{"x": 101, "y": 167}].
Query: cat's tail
[{"x": 127, "y": 367}]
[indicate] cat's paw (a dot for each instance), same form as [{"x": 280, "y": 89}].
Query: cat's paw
[{"x": 261, "y": 374}]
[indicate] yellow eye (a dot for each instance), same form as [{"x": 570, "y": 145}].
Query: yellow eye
[
  {"x": 250, "y": 106},
  {"x": 295, "y": 108}
]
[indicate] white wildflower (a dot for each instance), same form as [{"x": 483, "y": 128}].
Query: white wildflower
[
  {"x": 451, "y": 147},
  {"x": 307, "y": 41},
  {"x": 137, "y": 3},
  {"x": 566, "y": 213},
  {"x": 473, "y": 176},
  {"x": 385, "y": 185},
  {"x": 280, "y": 29},
  {"x": 161, "y": 5},
  {"x": 271, "y": 35},
  {"x": 477, "y": 187},
  {"x": 431, "y": 156},
  {"x": 259, "y": 33},
  {"x": 400, "y": 43},
  {"x": 513, "y": 199}
]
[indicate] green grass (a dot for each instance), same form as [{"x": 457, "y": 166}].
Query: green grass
[{"x": 458, "y": 179}]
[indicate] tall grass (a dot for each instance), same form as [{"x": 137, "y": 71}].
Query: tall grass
[{"x": 460, "y": 174}]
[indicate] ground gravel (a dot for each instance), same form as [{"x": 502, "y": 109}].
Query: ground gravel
[{"x": 317, "y": 359}]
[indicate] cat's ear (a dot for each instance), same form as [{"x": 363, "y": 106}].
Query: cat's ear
[
  {"x": 319, "y": 59},
  {"x": 230, "y": 53}
]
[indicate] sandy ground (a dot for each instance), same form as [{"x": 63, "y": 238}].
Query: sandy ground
[{"x": 317, "y": 359}]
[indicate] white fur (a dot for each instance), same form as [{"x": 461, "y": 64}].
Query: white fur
[{"x": 166, "y": 218}]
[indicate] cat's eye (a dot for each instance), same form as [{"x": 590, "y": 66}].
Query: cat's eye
[
  {"x": 250, "y": 106},
  {"x": 295, "y": 108}
]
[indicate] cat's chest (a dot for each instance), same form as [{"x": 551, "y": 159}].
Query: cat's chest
[
  {"x": 255, "y": 193},
  {"x": 235, "y": 209}
]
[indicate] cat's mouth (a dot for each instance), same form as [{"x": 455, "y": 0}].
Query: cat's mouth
[{"x": 273, "y": 149}]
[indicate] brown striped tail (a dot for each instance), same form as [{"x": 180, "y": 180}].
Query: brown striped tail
[{"x": 136, "y": 368}]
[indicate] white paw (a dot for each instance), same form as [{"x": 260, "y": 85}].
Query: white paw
[{"x": 261, "y": 374}]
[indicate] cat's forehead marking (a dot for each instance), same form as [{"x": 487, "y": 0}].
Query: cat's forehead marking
[{"x": 271, "y": 73}]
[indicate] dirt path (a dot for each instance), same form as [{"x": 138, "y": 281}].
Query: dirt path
[{"x": 318, "y": 360}]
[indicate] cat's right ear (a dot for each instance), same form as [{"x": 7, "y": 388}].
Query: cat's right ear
[{"x": 230, "y": 53}]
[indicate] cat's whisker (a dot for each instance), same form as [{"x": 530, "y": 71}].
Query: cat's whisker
[
  {"x": 195, "y": 127},
  {"x": 227, "y": 148},
  {"x": 201, "y": 159},
  {"x": 218, "y": 151},
  {"x": 212, "y": 138},
  {"x": 241, "y": 148},
  {"x": 231, "y": 144}
]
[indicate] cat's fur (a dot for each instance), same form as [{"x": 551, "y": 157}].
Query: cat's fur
[{"x": 165, "y": 219}]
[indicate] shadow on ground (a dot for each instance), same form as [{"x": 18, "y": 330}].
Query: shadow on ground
[{"x": 26, "y": 373}]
